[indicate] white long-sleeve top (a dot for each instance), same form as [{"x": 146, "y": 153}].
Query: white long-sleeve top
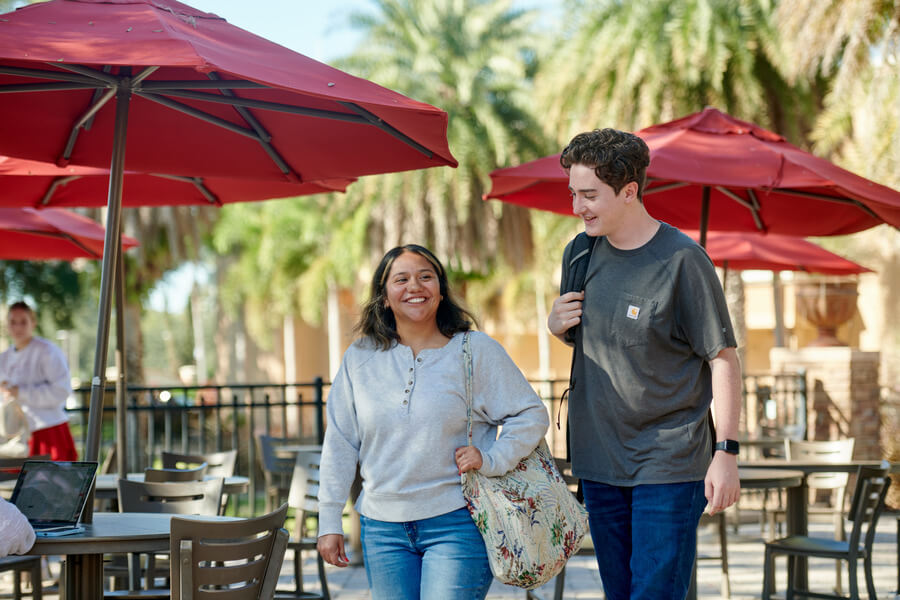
[
  {"x": 402, "y": 417},
  {"x": 16, "y": 534},
  {"x": 42, "y": 374}
]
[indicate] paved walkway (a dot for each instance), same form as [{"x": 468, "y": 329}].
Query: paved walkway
[{"x": 745, "y": 550}]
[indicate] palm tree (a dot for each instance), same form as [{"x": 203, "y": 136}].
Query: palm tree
[
  {"x": 475, "y": 60},
  {"x": 631, "y": 64}
]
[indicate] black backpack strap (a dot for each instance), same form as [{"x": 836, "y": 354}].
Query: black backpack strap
[{"x": 577, "y": 260}]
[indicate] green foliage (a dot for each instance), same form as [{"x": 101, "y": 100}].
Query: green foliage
[
  {"x": 53, "y": 288},
  {"x": 632, "y": 64}
]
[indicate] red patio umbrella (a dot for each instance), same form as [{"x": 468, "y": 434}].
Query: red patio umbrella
[
  {"x": 193, "y": 96},
  {"x": 39, "y": 184},
  {"x": 741, "y": 251},
  {"x": 712, "y": 172},
  {"x": 51, "y": 234}
]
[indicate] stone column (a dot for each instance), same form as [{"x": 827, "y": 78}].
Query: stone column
[{"x": 843, "y": 393}]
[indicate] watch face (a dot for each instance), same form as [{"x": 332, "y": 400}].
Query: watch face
[{"x": 729, "y": 446}]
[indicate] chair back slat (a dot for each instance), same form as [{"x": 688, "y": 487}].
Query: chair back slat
[
  {"x": 186, "y": 498},
  {"x": 197, "y": 473},
  {"x": 220, "y": 464},
  {"x": 231, "y": 560},
  {"x": 835, "y": 451},
  {"x": 305, "y": 483},
  {"x": 872, "y": 485}
]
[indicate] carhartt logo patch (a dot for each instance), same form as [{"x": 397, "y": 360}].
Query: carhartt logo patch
[{"x": 633, "y": 311}]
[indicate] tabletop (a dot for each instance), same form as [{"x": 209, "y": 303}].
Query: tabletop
[
  {"x": 117, "y": 532},
  {"x": 757, "y": 479}
]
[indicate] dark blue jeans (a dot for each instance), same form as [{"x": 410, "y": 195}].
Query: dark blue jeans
[{"x": 645, "y": 537}]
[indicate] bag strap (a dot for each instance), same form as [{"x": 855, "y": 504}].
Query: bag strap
[{"x": 467, "y": 365}]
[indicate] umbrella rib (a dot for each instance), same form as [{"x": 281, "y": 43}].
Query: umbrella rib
[
  {"x": 87, "y": 116},
  {"x": 273, "y": 106},
  {"x": 199, "y": 114},
  {"x": 48, "y": 87},
  {"x": 55, "y": 75},
  {"x": 57, "y": 181},
  {"x": 91, "y": 73},
  {"x": 254, "y": 123},
  {"x": 664, "y": 187},
  {"x": 59, "y": 235},
  {"x": 197, "y": 182},
  {"x": 752, "y": 205},
  {"x": 386, "y": 127},
  {"x": 215, "y": 84},
  {"x": 851, "y": 201}
]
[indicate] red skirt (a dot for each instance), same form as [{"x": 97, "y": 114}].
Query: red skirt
[{"x": 56, "y": 441}]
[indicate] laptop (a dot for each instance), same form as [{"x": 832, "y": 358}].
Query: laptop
[{"x": 52, "y": 495}]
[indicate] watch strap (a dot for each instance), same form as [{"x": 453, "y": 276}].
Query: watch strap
[{"x": 729, "y": 446}]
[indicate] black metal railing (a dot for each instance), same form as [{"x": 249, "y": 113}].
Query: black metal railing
[{"x": 211, "y": 418}]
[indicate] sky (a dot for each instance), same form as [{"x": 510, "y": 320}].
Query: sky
[{"x": 316, "y": 28}]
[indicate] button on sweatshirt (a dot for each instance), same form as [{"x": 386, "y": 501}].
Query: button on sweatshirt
[{"x": 401, "y": 417}]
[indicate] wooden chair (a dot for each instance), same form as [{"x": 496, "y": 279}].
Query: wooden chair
[
  {"x": 164, "y": 475},
  {"x": 277, "y": 469},
  {"x": 303, "y": 498},
  {"x": 185, "y": 498},
  {"x": 868, "y": 502},
  {"x": 835, "y": 484},
  {"x": 220, "y": 464},
  {"x": 24, "y": 564},
  {"x": 237, "y": 560}
]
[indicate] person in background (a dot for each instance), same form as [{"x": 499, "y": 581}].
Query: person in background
[
  {"x": 655, "y": 346},
  {"x": 397, "y": 407},
  {"x": 35, "y": 375}
]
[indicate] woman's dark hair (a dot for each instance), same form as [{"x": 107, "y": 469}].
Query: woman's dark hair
[{"x": 377, "y": 321}]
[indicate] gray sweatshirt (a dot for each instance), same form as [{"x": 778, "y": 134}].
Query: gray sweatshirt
[{"x": 402, "y": 417}]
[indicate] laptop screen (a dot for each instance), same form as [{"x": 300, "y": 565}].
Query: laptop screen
[{"x": 53, "y": 492}]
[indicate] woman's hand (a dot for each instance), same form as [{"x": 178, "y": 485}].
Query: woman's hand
[
  {"x": 468, "y": 458},
  {"x": 331, "y": 547}
]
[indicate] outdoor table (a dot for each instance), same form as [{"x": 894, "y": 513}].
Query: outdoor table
[
  {"x": 797, "y": 515},
  {"x": 756, "y": 479},
  {"x": 108, "y": 533},
  {"x": 297, "y": 448},
  {"x": 107, "y": 485}
]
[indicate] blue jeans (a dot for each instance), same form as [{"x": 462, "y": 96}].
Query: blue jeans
[
  {"x": 441, "y": 558},
  {"x": 645, "y": 537}
]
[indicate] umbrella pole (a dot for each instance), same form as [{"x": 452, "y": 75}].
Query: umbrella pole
[
  {"x": 121, "y": 452},
  {"x": 110, "y": 250},
  {"x": 704, "y": 216}
]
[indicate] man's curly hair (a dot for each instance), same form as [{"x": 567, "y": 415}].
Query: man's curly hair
[{"x": 617, "y": 157}]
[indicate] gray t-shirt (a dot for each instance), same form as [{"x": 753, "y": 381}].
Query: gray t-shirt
[{"x": 653, "y": 317}]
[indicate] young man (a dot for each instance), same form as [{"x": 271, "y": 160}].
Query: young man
[{"x": 655, "y": 347}]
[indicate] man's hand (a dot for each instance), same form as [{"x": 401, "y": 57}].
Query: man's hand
[
  {"x": 723, "y": 486},
  {"x": 331, "y": 547},
  {"x": 565, "y": 314}
]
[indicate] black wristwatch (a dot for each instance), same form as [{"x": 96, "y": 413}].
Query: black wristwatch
[{"x": 729, "y": 446}]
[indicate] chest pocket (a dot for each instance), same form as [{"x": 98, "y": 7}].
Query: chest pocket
[{"x": 632, "y": 319}]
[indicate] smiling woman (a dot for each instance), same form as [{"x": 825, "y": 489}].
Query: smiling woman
[{"x": 397, "y": 408}]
